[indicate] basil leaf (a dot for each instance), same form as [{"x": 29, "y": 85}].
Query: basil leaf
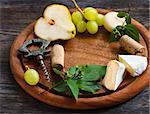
[
  {"x": 89, "y": 86},
  {"x": 131, "y": 31},
  {"x": 72, "y": 70},
  {"x": 80, "y": 82},
  {"x": 112, "y": 37},
  {"x": 93, "y": 72},
  {"x": 128, "y": 19},
  {"x": 116, "y": 33},
  {"x": 126, "y": 15},
  {"x": 61, "y": 87},
  {"x": 121, "y": 14},
  {"x": 73, "y": 87}
]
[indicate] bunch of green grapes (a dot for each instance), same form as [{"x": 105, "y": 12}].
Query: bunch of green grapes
[{"x": 88, "y": 19}]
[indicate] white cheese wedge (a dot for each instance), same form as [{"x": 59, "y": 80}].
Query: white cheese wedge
[
  {"x": 135, "y": 64},
  {"x": 114, "y": 75},
  {"x": 111, "y": 20}
]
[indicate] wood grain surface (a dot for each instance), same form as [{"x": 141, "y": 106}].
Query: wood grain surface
[{"x": 15, "y": 15}]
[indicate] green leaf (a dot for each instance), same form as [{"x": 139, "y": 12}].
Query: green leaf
[
  {"x": 73, "y": 87},
  {"x": 72, "y": 70},
  {"x": 128, "y": 19},
  {"x": 61, "y": 86},
  {"x": 112, "y": 37},
  {"x": 88, "y": 86},
  {"x": 131, "y": 31},
  {"x": 56, "y": 71},
  {"x": 93, "y": 72},
  {"x": 91, "y": 88},
  {"x": 126, "y": 16},
  {"x": 121, "y": 14},
  {"x": 82, "y": 78},
  {"x": 116, "y": 33}
]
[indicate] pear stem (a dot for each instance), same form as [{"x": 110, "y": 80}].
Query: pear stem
[{"x": 76, "y": 5}]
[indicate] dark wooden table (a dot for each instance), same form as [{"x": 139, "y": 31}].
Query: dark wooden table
[{"x": 15, "y": 15}]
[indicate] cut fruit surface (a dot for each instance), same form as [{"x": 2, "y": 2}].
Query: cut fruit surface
[{"x": 56, "y": 24}]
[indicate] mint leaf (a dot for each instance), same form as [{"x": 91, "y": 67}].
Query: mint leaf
[
  {"x": 126, "y": 16},
  {"x": 131, "y": 31},
  {"x": 89, "y": 86},
  {"x": 72, "y": 70},
  {"x": 81, "y": 77},
  {"x": 116, "y": 33},
  {"x": 121, "y": 14},
  {"x": 113, "y": 36},
  {"x": 73, "y": 87},
  {"x": 128, "y": 19},
  {"x": 93, "y": 72},
  {"x": 61, "y": 86}
]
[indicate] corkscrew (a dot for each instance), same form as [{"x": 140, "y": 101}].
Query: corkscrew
[{"x": 38, "y": 54}]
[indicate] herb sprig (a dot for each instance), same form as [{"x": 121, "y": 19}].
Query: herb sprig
[
  {"x": 125, "y": 29},
  {"x": 80, "y": 78}
]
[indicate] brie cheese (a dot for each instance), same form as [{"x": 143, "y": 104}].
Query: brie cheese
[
  {"x": 135, "y": 64},
  {"x": 114, "y": 75}
]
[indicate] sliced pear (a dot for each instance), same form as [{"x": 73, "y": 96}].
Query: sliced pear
[
  {"x": 111, "y": 21},
  {"x": 135, "y": 64},
  {"x": 56, "y": 24},
  {"x": 51, "y": 11},
  {"x": 114, "y": 75}
]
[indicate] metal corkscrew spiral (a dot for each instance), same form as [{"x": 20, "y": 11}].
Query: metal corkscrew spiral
[
  {"x": 43, "y": 66},
  {"x": 39, "y": 53}
]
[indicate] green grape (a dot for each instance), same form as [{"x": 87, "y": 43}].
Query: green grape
[
  {"x": 31, "y": 76},
  {"x": 77, "y": 17},
  {"x": 81, "y": 26},
  {"x": 92, "y": 27},
  {"x": 100, "y": 19},
  {"x": 90, "y": 13}
]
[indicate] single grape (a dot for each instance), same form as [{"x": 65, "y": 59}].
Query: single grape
[
  {"x": 90, "y": 13},
  {"x": 100, "y": 19},
  {"x": 81, "y": 26},
  {"x": 77, "y": 17},
  {"x": 31, "y": 76},
  {"x": 92, "y": 27}
]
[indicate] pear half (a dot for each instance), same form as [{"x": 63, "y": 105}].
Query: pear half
[
  {"x": 56, "y": 24},
  {"x": 135, "y": 64}
]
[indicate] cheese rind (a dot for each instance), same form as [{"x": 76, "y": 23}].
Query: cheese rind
[
  {"x": 114, "y": 75},
  {"x": 135, "y": 64}
]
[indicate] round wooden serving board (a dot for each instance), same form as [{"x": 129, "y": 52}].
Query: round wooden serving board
[{"x": 84, "y": 49}]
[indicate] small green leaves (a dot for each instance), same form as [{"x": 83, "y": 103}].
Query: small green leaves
[
  {"x": 128, "y": 19},
  {"x": 126, "y": 16},
  {"x": 72, "y": 70},
  {"x": 88, "y": 86},
  {"x": 131, "y": 31},
  {"x": 73, "y": 87},
  {"x": 61, "y": 87},
  {"x": 127, "y": 29},
  {"x": 81, "y": 78},
  {"x": 93, "y": 72},
  {"x": 122, "y": 14},
  {"x": 115, "y": 34}
]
